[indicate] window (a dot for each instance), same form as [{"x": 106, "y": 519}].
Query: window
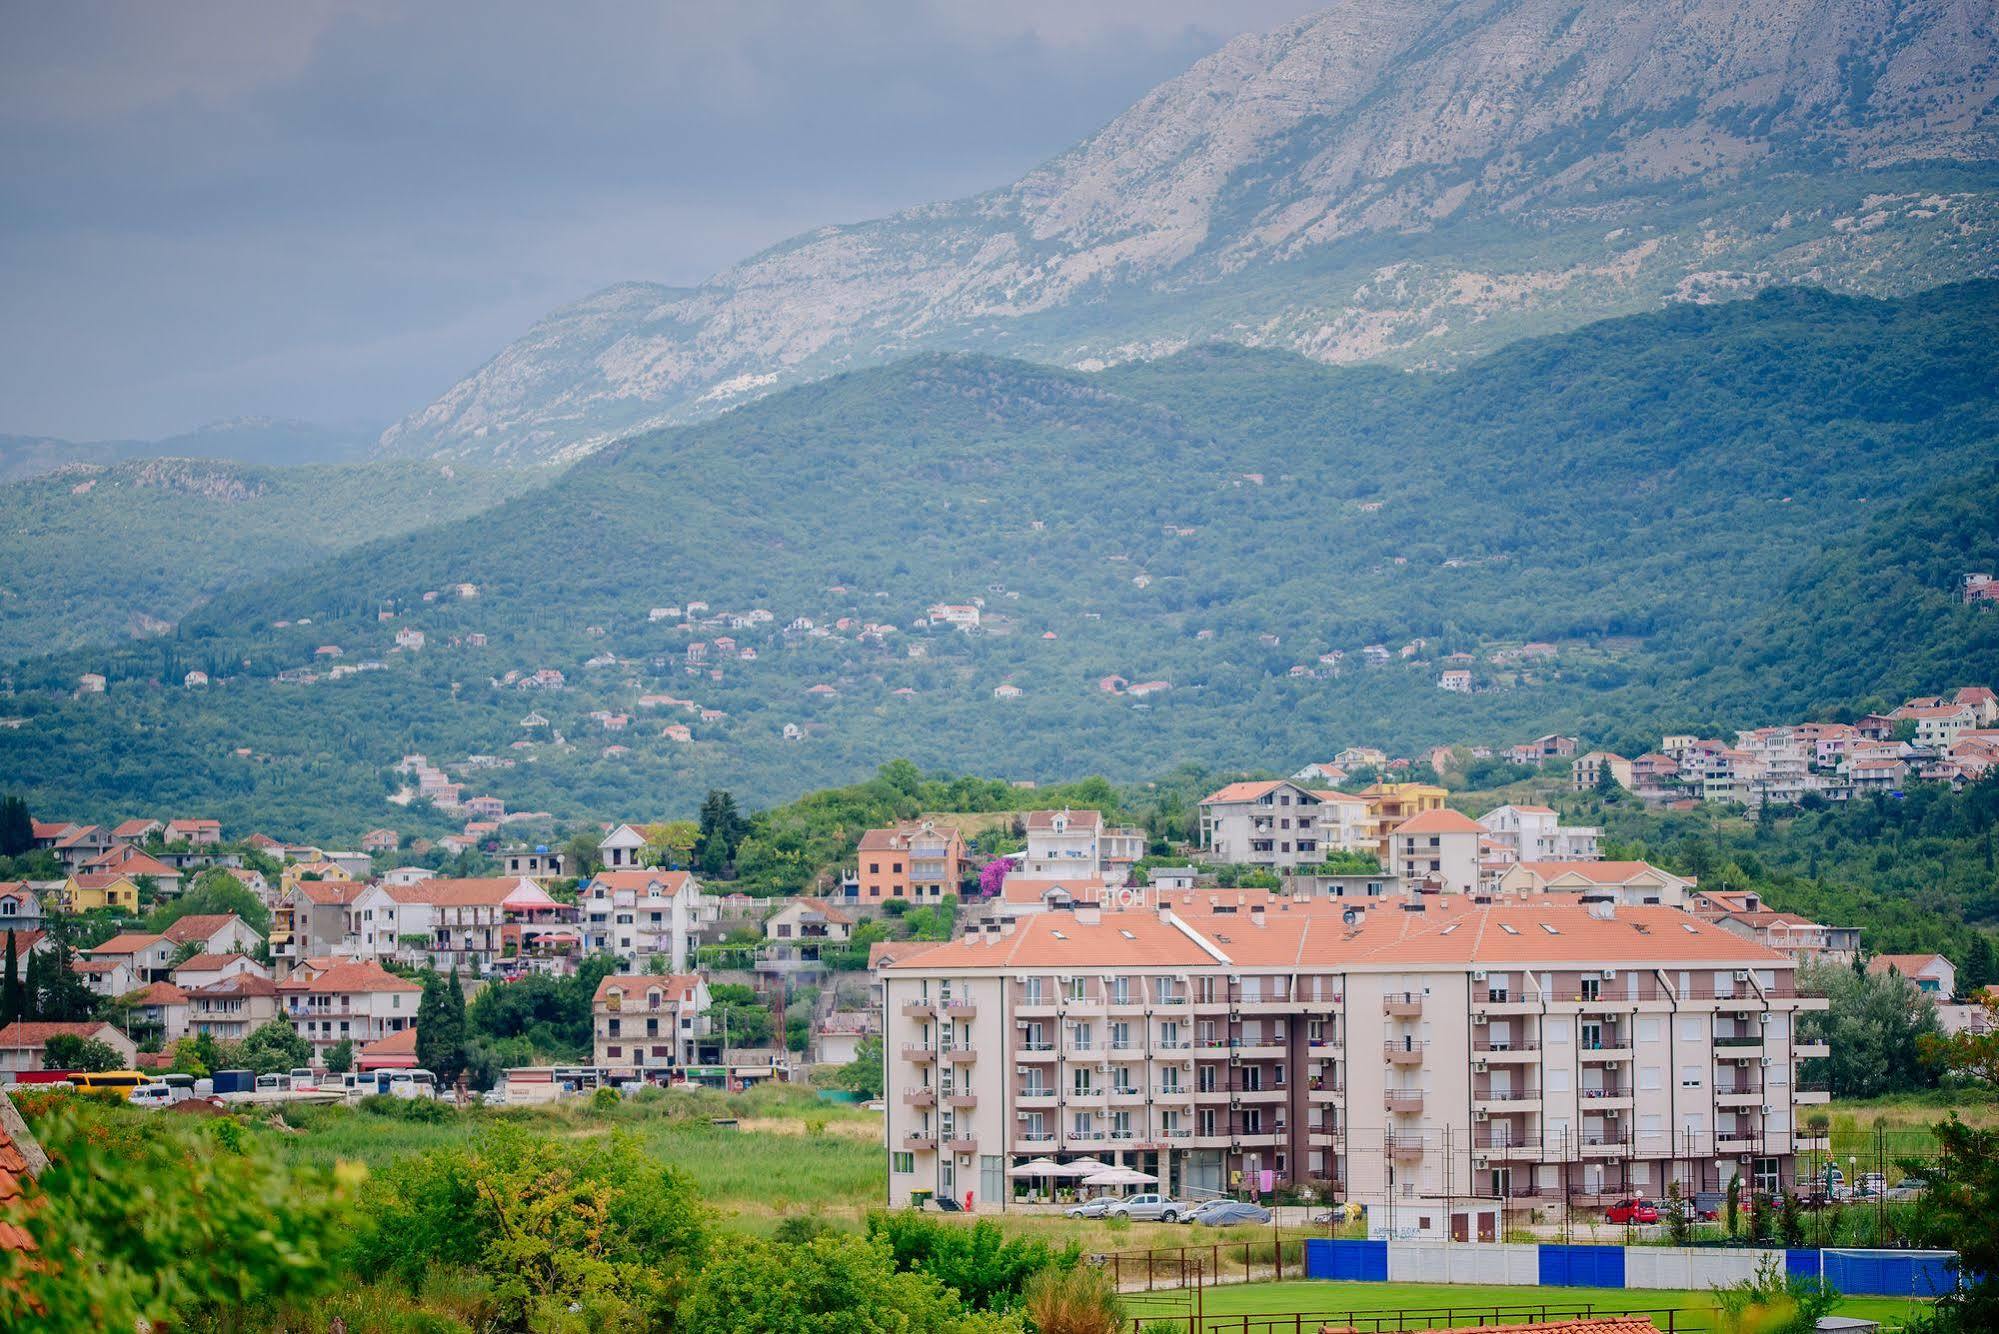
[{"x": 903, "y": 1164}]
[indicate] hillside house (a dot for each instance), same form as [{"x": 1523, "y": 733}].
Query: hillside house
[
  {"x": 1932, "y": 974},
  {"x": 921, "y": 861},
  {"x": 213, "y": 933},
  {"x": 1457, "y": 680},
  {"x": 329, "y": 1001},
  {"x": 647, "y": 1023},
  {"x": 1439, "y": 850},
  {"x": 622, "y": 848},
  {"x": 381, "y": 840},
  {"x": 1586, "y": 771},
  {"x": 20, "y": 906},
  {"x": 1542, "y": 749},
  {"x": 231, "y": 1007},
  {"x": 1535, "y": 834},
  {"x": 640, "y": 914},
  {"x": 21, "y": 1042}
]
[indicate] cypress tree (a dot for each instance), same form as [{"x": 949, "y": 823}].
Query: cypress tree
[
  {"x": 31, "y": 994},
  {"x": 12, "y": 990}
]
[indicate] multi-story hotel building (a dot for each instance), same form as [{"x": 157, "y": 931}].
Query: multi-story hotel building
[{"x": 1444, "y": 1062}]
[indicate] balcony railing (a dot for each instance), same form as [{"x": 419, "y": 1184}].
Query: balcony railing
[
  {"x": 1485, "y": 1045},
  {"x": 1402, "y": 1004},
  {"x": 1403, "y": 1100}
]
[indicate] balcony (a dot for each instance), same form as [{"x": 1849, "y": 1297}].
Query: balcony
[
  {"x": 1501, "y": 1049},
  {"x": 962, "y": 1144},
  {"x": 1506, "y": 1099},
  {"x": 918, "y": 1143},
  {"x": 1505, "y": 1002},
  {"x": 1403, "y": 1004},
  {"x": 1403, "y": 1100},
  {"x": 1741, "y": 1096},
  {"x": 919, "y": 1097},
  {"x": 1404, "y": 1148},
  {"x": 1738, "y": 1141},
  {"x": 1610, "y": 1050},
  {"x": 1737, "y": 1042},
  {"x": 1605, "y": 1096},
  {"x": 1173, "y": 1093},
  {"x": 1322, "y": 1092},
  {"x": 1035, "y": 1097},
  {"x": 1606, "y": 1146},
  {"x": 961, "y": 1055},
  {"x": 1036, "y": 1139},
  {"x": 1254, "y": 1097},
  {"x": 918, "y": 1009},
  {"x": 962, "y": 1008},
  {"x": 1404, "y": 1053},
  {"x": 1812, "y": 1092},
  {"x": 1810, "y": 1051},
  {"x": 1035, "y": 1051},
  {"x": 916, "y": 1051},
  {"x": 964, "y": 1099}
]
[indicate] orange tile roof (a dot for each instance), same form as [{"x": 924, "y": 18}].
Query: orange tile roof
[
  {"x": 1451, "y": 932},
  {"x": 350, "y": 977},
  {"x": 19, "y": 1160},
  {"x": 126, "y": 942},
  {"x": 331, "y": 893},
  {"x": 208, "y": 963},
  {"x": 676, "y": 986},
  {"x": 482, "y": 891},
  {"x": 158, "y": 993},
  {"x": 670, "y": 881},
  {"x": 236, "y": 984},
  {"x": 1246, "y": 791},
  {"x": 199, "y": 926},
  {"x": 23, "y": 1034},
  {"x": 1440, "y": 822},
  {"x": 1602, "y": 873}
]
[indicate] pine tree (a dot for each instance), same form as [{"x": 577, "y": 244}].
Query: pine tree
[
  {"x": 13, "y": 993},
  {"x": 31, "y": 992},
  {"x": 17, "y": 829}
]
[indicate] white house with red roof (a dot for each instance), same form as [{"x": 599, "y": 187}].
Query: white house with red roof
[
  {"x": 213, "y": 933},
  {"x": 20, "y": 906},
  {"x": 446, "y": 922},
  {"x": 231, "y": 1007},
  {"x": 199, "y": 833},
  {"x": 331, "y": 1001},
  {"x": 1437, "y": 850},
  {"x": 1280, "y": 823},
  {"x": 1932, "y": 974},
  {"x": 639, "y": 914},
  {"x": 1631, "y": 883}
]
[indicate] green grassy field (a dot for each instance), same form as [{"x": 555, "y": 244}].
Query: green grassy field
[{"x": 1692, "y": 1311}]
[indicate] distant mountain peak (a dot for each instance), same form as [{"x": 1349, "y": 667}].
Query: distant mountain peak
[{"x": 1409, "y": 182}]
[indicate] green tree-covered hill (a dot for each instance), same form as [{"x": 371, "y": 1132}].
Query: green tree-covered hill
[{"x": 1672, "y": 498}]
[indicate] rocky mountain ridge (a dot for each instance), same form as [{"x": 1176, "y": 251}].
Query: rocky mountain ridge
[{"x": 1400, "y": 181}]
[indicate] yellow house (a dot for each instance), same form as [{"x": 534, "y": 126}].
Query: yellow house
[
  {"x": 1391, "y": 804},
  {"x": 88, "y": 890}
]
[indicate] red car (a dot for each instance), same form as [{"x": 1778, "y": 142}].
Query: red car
[{"x": 1633, "y": 1211}]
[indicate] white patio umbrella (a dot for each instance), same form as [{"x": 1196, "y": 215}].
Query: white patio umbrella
[
  {"x": 1036, "y": 1167},
  {"x": 1120, "y": 1176},
  {"x": 1085, "y": 1166}
]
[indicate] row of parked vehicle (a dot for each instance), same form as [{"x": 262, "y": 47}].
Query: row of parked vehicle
[
  {"x": 1705, "y": 1206},
  {"x": 143, "y": 1089},
  {"x": 1152, "y": 1207}
]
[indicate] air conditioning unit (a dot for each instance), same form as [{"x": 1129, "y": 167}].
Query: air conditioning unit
[
  {"x": 1763, "y": 1018},
  {"x": 1478, "y": 1067},
  {"x": 1235, "y": 1016},
  {"x": 1610, "y": 1114},
  {"x": 1478, "y": 976},
  {"x": 1479, "y": 1017},
  {"x": 1480, "y": 1162},
  {"x": 1480, "y": 1114},
  {"x": 1023, "y": 1116},
  {"x": 1020, "y": 1069},
  {"x": 1742, "y": 975},
  {"x": 1765, "y": 1062},
  {"x": 1766, "y": 1109},
  {"x": 1020, "y": 1024},
  {"x": 1609, "y": 973}
]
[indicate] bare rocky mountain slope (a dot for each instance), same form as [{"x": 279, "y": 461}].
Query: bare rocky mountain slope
[{"x": 1399, "y": 181}]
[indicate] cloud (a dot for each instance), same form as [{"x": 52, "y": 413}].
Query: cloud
[{"x": 214, "y": 206}]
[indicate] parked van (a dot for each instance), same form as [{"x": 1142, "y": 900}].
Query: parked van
[
  {"x": 181, "y": 1086},
  {"x": 151, "y": 1094},
  {"x": 357, "y": 1084},
  {"x": 110, "y": 1085},
  {"x": 303, "y": 1080},
  {"x": 412, "y": 1084},
  {"x": 273, "y": 1083}
]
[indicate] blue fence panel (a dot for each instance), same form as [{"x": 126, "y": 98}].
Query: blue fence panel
[
  {"x": 1892, "y": 1274},
  {"x": 1349, "y": 1261},
  {"x": 1801, "y": 1262},
  {"x": 1582, "y": 1266}
]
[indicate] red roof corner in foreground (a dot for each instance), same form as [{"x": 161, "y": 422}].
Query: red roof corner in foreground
[{"x": 20, "y": 1158}]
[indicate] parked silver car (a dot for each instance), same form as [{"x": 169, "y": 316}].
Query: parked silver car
[
  {"x": 1149, "y": 1208},
  {"x": 1097, "y": 1208}
]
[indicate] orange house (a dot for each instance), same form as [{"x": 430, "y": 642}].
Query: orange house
[{"x": 921, "y": 862}]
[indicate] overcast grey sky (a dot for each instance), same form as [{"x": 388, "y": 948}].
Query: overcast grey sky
[{"x": 333, "y": 211}]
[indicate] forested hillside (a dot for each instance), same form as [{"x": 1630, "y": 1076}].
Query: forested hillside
[
  {"x": 1662, "y": 496},
  {"x": 93, "y": 553}
]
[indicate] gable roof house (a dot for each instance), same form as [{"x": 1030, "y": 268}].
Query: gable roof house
[
  {"x": 330, "y": 1001},
  {"x": 1932, "y": 974},
  {"x": 215, "y": 933},
  {"x": 649, "y": 1022},
  {"x": 22, "y": 1041}
]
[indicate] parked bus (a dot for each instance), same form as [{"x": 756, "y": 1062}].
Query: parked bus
[
  {"x": 412, "y": 1084},
  {"x": 109, "y": 1085}
]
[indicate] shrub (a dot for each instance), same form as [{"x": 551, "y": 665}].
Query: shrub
[{"x": 1073, "y": 1301}]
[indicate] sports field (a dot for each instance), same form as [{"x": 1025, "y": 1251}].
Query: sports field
[{"x": 1274, "y": 1308}]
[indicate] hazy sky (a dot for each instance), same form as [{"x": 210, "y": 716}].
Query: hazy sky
[{"x": 334, "y": 211}]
